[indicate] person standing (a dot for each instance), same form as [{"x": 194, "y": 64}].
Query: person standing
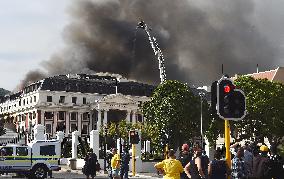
[
  {"x": 184, "y": 158},
  {"x": 218, "y": 169},
  {"x": 125, "y": 158},
  {"x": 194, "y": 169},
  {"x": 276, "y": 160},
  {"x": 171, "y": 167},
  {"x": 93, "y": 160},
  {"x": 261, "y": 164},
  {"x": 239, "y": 167},
  {"x": 248, "y": 157},
  {"x": 115, "y": 164}
]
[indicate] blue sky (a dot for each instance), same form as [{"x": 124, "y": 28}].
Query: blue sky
[{"x": 30, "y": 32}]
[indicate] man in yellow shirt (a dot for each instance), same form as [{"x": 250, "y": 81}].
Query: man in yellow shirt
[
  {"x": 115, "y": 164},
  {"x": 171, "y": 167}
]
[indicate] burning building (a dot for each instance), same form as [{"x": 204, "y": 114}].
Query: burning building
[{"x": 75, "y": 102}]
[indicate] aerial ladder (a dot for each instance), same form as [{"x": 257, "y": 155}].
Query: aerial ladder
[
  {"x": 156, "y": 49},
  {"x": 159, "y": 54}
]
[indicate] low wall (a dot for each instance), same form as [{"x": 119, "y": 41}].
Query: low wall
[{"x": 147, "y": 166}]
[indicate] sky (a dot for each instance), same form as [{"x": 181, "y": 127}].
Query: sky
[{"x": 31, "y": 32}]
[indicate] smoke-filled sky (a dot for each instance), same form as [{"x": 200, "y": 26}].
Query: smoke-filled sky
[{"x": 196, "y": 38}]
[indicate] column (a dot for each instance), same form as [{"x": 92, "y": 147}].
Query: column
[
  {"x": 75, "y": 143},
  {"x": 80, "y": 122},
  {"x": 133, "y": 117},
  {"x": 128, "y": 116},
  {"x": 99, "y": 122},
  {"x": 55, "y": 119},
  {"x": 42, "y": 117},
  {"x": 105, "y": 117},
  {"x": 60, "y": 136},
  {"x": 39, "y": 132},
  {"x": 94, "y": 141},
  {"x": 67, "y": 123},
  {"x": 91, "y": 123}
]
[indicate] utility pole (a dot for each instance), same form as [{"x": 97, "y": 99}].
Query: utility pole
[{"x": 201, "y": 94}]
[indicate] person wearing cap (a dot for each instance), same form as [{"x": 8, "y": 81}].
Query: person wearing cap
[
  {"x": 261, "y": 164},
  {"x": 171, "y": 167},
  {"x": 194, "y": 169},
  {"x": 115, "y": 164},
  {"x": 184, "y": 158}
]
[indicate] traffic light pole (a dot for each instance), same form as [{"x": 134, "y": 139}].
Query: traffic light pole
[
  {"x": 227, "y": 142},
  {"x": 167, "y": 151},
  {"x": 133, "y": 160}
]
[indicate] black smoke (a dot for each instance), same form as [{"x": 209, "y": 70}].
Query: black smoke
[{"x": 195, "y": 40}]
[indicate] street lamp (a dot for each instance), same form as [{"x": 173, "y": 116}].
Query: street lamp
[
  {"x": 201, "y": 94},
  {"x": 105, "y": 143}
]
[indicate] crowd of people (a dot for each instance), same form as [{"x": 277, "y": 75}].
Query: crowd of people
[{"x": 248, "y": 162}]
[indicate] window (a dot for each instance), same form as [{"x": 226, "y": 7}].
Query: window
[
  {"x": 20, "y": 103},
  {"x": 84, "y": 100},
  {"x": 73, "y": 127},
  {"x": 48, "y": 115},
  {"x": 61, "y": 126},
  {"x": 21, "y": 151},
  {"x": 48, "y": 128},
  {"x": 49, "y": 99},
  {"x": 61, "y": 115},
  {"x": 34, "y": 98},
  {"x": 74, "y": 100},
  {"x": 31, "y": 100},
  {"x": 62, "y": 99},
  {"x": 47, "y": 150},
  {"x": 85, "y": 129},
  {"x": 74, "y": 116},
  {"x": 6, "y": 151},
  {"x": 86, "y": 116}
]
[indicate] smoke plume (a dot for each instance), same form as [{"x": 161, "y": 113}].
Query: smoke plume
[{"x": 196, "y": 39}]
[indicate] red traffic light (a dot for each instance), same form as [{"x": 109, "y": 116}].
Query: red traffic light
[
  {"x": 132, "y": 133},
  {"x": 227, "y": 89}
]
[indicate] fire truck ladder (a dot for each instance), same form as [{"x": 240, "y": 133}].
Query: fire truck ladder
[{"x": 156, "y": 49}]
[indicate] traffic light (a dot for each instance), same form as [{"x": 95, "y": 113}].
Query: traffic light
[
  {"x": 134, "y": 137},
  {"x": 230, "y": 101}
]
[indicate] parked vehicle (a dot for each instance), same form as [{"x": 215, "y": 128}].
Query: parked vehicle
[{"x": 35, "y": 160}]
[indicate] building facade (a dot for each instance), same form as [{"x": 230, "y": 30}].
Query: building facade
[{"x": 75, "y": 102}]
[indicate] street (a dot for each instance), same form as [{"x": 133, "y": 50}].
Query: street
[{"x": 78, "y": 174}]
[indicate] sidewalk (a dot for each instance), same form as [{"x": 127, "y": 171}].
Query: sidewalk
[{"x": 65, "y": 168}]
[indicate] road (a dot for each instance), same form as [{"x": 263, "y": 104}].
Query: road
[{"x": 63, "y": 174}]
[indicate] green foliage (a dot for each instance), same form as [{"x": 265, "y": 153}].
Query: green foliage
[
  {"x": 66, "y": 151},
  {"x": 2, "y": 129},
  {"x": 3, "y": 92},
  {"x": 175, "y": 109},
  {"x": 265, "y": 106},
  {"x": 82, "y": 148}
]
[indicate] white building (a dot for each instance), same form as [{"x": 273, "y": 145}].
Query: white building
[{"x": 75, "y": 102}]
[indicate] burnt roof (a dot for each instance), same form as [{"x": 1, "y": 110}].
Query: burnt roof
[{"x": 96, "y": 84}]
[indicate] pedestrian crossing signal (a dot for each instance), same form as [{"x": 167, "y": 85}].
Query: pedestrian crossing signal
[{"x": 134, "y": 137}]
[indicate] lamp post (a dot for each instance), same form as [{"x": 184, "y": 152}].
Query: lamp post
[
  {"x": 105, "y": 143},
  {"x": 201, "y": 94}
]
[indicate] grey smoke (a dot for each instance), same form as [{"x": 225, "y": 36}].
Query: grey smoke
[{"x": 196, "y": 39}]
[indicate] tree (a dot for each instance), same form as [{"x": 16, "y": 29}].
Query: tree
[
  {"x": 265, "y": 107},
  {"x": 2, "y": 129},
  {"x": 174, "y": 110}
]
